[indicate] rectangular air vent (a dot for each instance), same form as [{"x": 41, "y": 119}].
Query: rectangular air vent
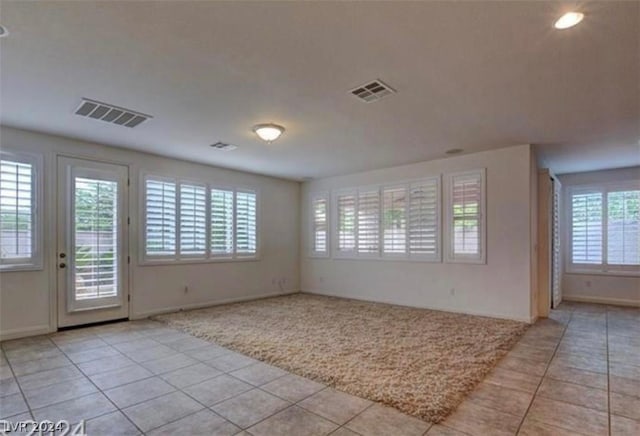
[
  {"x": 110, "y": 114},
  {"x": 372, "y": 91},
  {"x": 223, "y": 146}
]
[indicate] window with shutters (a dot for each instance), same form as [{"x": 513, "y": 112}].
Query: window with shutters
[
  {"x": 193, "y": 220},
  {"x": 188, "y": 221},
  {"x": 465, "y": 217},
  {"x": 424, "y": 219},
  {"x": 160, "y": 207},
  {"x": 246, "y": 230},
  {"x": 604, "y": 223},
  {"x": 222, "y": 222},
  {"x": 394, "y": 220},
  {"x": 319, "y": 225},
  {"x": 586, "y": 224},
  {"x": 368, "y": 240},
  {"x": 346, "y": 223},
  {"x": 399, "y": 221},
  {"x": 20, "y": 220}
]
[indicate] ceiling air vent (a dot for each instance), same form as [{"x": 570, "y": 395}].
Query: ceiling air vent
[
  {"x": 223, "y": 146},
  {"x": 372, "y": 91},
  {"x": 111, "y": 114}
]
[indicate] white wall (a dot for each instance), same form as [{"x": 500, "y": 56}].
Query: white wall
[
  {"x": 598, "y": 288},
  {"x": 28, "y": 299},
  {"x": 501, "y": 288}
]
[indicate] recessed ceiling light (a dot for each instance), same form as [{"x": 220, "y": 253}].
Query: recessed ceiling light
[
  {"x": 454, "y": 151},
  {"x": 268, "y": 132},
  {"x": 569, "y": 19},
  {"x": 3, "y": 31}
]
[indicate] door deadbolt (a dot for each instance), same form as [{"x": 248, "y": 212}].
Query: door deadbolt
[{"x": 62, "y": 255}]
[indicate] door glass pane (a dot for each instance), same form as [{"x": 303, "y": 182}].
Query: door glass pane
[{"x": 96, "y": 238}]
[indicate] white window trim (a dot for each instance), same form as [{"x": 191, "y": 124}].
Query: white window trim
[
  {"x": 481, "y": 257},
  {"x": 604, "y": 268},
  {"x": 177, "y": 258},
  {"x": 380, "y": 255},
  {"x": 35, "y": 262},
  {"x": 312, "y": 252}
]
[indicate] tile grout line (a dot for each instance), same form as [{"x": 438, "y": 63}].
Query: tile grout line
[
  {"x": 159, "y": 376},
  {"x": 24, "y": 397},
  {"x": 356, "y": 415},
  {"x": 205, "y": 407},
  {"x": 291, "y": 404},
  {"x": 100, "y": 391},
  {"x": 545, "y": 373},
  {"x": 176, "y": 389}
]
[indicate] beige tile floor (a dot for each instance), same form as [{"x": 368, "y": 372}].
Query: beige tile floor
[{"x": 575, "y": 373}]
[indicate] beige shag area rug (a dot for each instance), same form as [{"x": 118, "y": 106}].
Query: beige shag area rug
[{"x": 422, "y": 362}]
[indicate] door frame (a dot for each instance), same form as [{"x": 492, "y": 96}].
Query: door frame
[
  {"x": 62, "y": 211},
  {"x": 544, "y": 224}
]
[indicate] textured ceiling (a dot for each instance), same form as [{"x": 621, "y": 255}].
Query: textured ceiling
[{"x": 470, "y": 75}]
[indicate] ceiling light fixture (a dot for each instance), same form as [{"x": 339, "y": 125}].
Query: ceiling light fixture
[
  {"x": 268, "y": 132},
  {"x": 568, "y": 20},
  {"x": 3, "y": 31}
]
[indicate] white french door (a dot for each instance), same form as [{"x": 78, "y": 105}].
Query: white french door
[{"x": 92, "y": 242}]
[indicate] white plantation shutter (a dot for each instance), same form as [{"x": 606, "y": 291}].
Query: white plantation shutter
[
  {"x": 193, "y": 219},
  {"x": 623, "y": 228},
  {"x": 466, "y": 223},
  {"x": 221, "y": 222},
  {"x": 17, "y": 210},
  {"x": 95, "y": 230},
  {"x": 586, "y": 228},
  {"x": 346, "y": 212},
  {"x": 246, "y": 230},
  {"x": 160, "y": 207},
  {"x": 186, "y": 221},
  {"x": 424, "y": 219},
  {"x": 394, "y": 220},
  {"x": 320, "y": 226},
  {"x": 368, "y": 221}
]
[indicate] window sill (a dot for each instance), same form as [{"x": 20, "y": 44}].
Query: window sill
[
  {"x": 603, "y": 273},
  {"x": 388, "y": 258},
  {"x": 20, "y": 268},
  {"x": 167, "y": 262},
  {"x": 467, "y": 261}
]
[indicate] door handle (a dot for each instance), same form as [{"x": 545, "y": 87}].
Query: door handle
[
  {"x": 62, "y": 255},
  {"x": 62, "y": 265}
]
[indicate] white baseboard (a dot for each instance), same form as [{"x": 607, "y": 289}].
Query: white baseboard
[
  {"x": 528, "y": 320},
  {"x": 141, "y": 315},
  {"x": 601, "y": 300},
  {"x": 24, "y": 332}
]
